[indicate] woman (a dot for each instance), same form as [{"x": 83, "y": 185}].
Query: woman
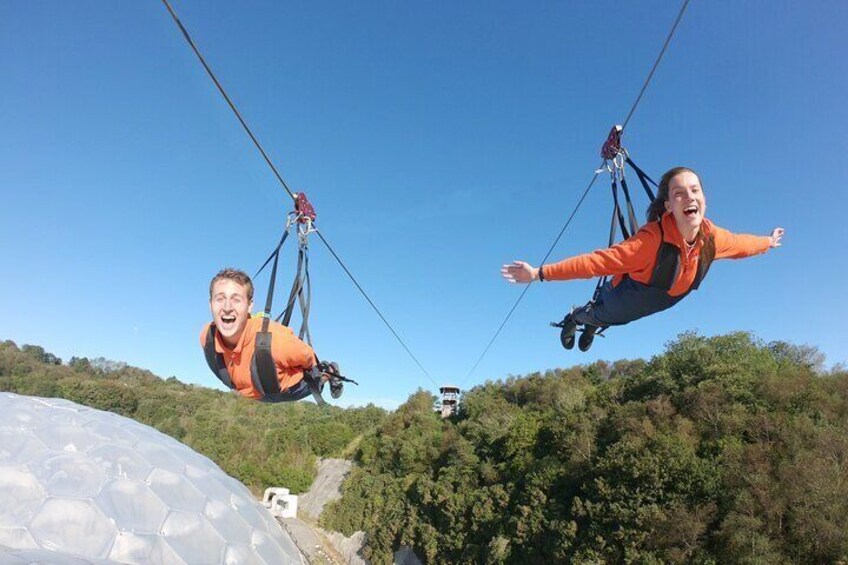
[{"x": 653, "y": 270}]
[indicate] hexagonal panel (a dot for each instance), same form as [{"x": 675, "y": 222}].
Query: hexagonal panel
[
  {"x": 111, "y": 432},
  {"x": 228, "y": 523},
  {"x": 18, "y": 417},
  {"x": 238, "y": 554},
  {"x": 132, "y": 506},
  {"x": 257, "y": 517},
  {"x": 18, "y": 447},
  {"x": 160, "y": 456},
  {"x": 176, "y": 491},
  {"x": 193, "y": 538},
  {"x": 120, "y": 461},
  {"x": 68, "y": 437},
  {"x": 208, "y": 483},
  {"x": 134, "y": 548},
  {"x": 73, "y": 475},
  {"x": 73, "y": 526},
  {"x": 20, "y": 497},
  {"x": 17, "y": 537},
  {"x": 273, "y": 549},
  {"x": 38, "y": 556}
]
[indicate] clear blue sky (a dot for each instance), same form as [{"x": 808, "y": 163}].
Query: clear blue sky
[{"x": 437, "y": 140}]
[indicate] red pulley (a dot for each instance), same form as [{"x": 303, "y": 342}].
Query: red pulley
[
  {"x": 304, "y": 208},
  {"x": 612, "y": 146}
]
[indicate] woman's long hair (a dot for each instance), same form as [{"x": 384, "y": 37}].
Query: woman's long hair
[{"x": 657, "y": 208}]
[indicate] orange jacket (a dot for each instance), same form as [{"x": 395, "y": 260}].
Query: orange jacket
[
  {"x": 291, "y": 355},
  {"x": 636, "y": 256}
]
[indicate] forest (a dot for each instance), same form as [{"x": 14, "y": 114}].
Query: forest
[{"x": 719, "y": 449}]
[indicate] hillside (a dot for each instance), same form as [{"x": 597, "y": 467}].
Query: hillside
[{"x": 719, "y": 450}]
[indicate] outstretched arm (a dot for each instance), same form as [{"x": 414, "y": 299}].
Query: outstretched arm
[
  {"x": 628, "y": 256},
  {"x": 739, "y": 245}
]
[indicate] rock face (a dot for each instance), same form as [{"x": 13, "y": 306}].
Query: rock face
[
  {"x": 79, "y": 485},
  {"x": 349, "y": 548},
  {"x": 326, "y": 488},
  {"x": 327, "y": 485}
]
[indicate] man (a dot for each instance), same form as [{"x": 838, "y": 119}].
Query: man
[{"x": 230, "y": 344}]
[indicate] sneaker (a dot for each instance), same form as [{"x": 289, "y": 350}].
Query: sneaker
[
  {"x": 587, "y": 337},
  {"x": 336, "y": 387},
  {"x": 336, "y": 384},
  {"x": 569, "y": 328}
]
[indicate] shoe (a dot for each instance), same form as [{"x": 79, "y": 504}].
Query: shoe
[
  {"x": 587, "y": 337},
  {"x": 336, "y": 387},
  {"x": 336, "y": 384},
  {"x": 569, "y": 328}
]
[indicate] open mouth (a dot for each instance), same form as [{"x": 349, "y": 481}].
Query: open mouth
[
  {"x": 690, "y": 211},
  {"x": 228, "y": 320}
]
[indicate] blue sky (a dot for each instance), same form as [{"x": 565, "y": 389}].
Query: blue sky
[{"x": 437, "y": 141}]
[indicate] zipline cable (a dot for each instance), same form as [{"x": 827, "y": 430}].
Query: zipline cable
[
  {"x": 286, "y": 187},
  {"x": 586, "y": 192},
  {"x": 227, "y": 98},
  {"x": 391, "y": 329},
  {"x": 527, "y": 287}
]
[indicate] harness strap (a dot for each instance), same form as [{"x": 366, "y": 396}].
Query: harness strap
[
  {"x": 643, "y": 178},
  {"x": 705, "y": 261},
  {"x": 300, "y": 294},
  {"x": 265, "y": 374},
  {"x": 215, "y": 360},
  {"x": 631, "y": 214},
  {"x": 297, "y": 284},
  {"x": 313, "y": 382},
  {"x": 602, "y": 280},
  {"x": 667, "y": 264},
  {"x": 305, "y": 300},
  {"x": 617, "y": 208}
]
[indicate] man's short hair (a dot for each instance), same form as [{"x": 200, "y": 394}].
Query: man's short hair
[{"x": 235, "y": 275}]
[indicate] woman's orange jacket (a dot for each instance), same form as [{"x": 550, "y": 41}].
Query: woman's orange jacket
[{"x": 636, "y": 256}]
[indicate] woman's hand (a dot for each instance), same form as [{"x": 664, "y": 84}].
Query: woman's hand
[
  {"x": 774, "y": 238},
  {"x": 520, "y": 272}
]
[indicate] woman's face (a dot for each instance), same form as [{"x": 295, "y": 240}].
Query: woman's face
[{"x": 686, "y": 202}]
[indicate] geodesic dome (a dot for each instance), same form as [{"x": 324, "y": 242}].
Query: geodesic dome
[{"x": 79, "y": 485}]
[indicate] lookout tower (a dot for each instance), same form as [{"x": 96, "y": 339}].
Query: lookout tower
[{"x": 449, "y": 400}]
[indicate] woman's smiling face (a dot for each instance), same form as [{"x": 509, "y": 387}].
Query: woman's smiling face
[{"x": 686, "y": 203}]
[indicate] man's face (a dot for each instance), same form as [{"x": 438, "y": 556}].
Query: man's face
[
  {"x": 230, "y": 309},
  {"x": 686, "y": 202}
]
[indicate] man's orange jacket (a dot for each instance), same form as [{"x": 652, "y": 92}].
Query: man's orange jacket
[
  {"x": 291, "y": 355},
  {"x": 636, "y": 257}
]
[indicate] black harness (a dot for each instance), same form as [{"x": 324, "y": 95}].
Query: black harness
[
  {"x": 263, "y": 371},
  {"x": 667, "y": 265}
]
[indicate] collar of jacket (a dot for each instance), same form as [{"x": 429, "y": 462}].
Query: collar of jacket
[
  {"x": 246, "y": 338},
  {"x": 672, "y": 235}
]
